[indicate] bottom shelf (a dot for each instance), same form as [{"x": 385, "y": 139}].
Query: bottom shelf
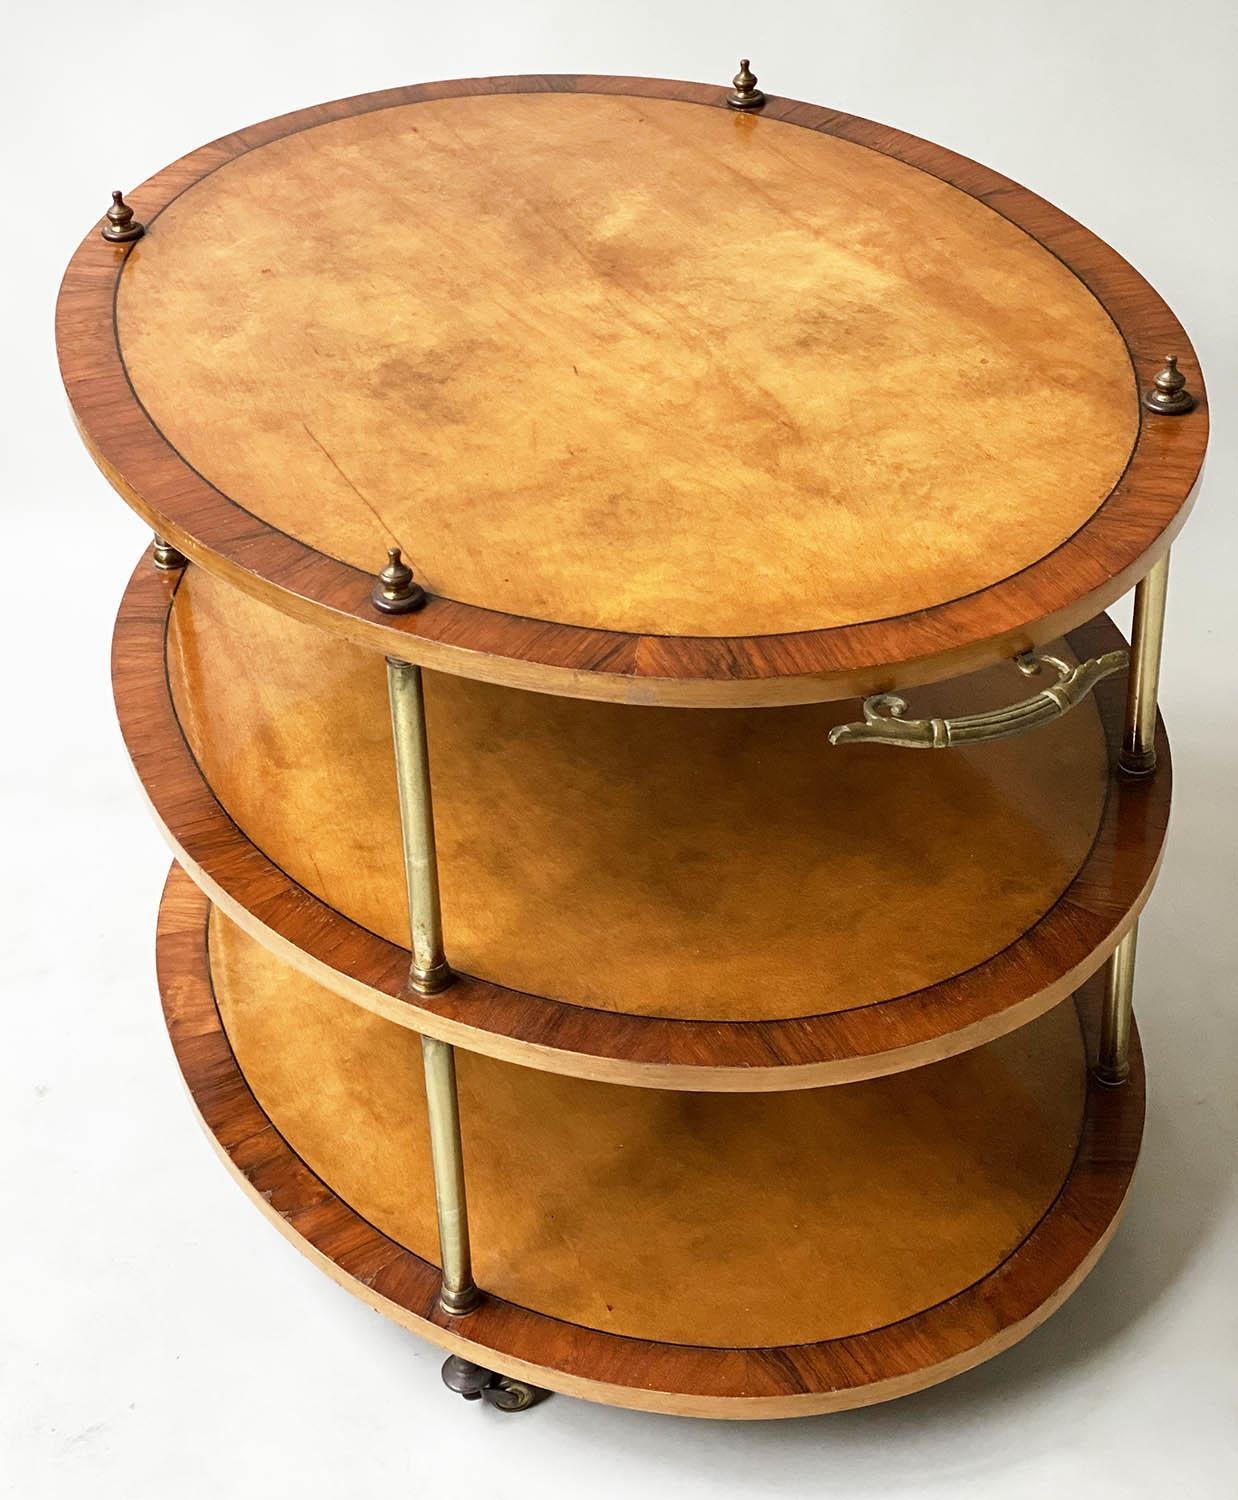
[{"x": 712, "y": 1255}]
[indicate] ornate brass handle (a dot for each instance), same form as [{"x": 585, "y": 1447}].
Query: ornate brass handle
[{"x": 884, "y": 723}]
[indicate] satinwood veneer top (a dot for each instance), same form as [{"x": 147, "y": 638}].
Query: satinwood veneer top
[
  {"x": 902, "y": 1191},
  {"x": 662, "y": 401}
]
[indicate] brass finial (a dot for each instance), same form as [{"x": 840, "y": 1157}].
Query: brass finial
[
  {"x": 395, "y": 593},
  {"x": 121, "y": 226},
  {"x": 166, "y": 556},
  {"x": 1168, "y": 393},
  {"x": 746, "y": 95}
]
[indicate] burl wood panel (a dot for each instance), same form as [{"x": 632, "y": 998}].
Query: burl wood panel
[
  {"x": 684, "y": 1379},
  {"x": 726, "y": 865},
  {"x": 688, "y": 1218},
  {"x": 1074, "y": 582},
  {"x": 628, "y": 364},
  {"x": 1045, "y": 965}
]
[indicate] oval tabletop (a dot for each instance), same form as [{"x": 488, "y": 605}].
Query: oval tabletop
[{"x": 662, "y": 402}]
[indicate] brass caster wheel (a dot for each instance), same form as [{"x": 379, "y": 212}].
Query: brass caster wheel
[{"x": 477, "y": 1384}]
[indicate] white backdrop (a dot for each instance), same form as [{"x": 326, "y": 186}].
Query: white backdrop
[{"x": 157, "y": 1338}]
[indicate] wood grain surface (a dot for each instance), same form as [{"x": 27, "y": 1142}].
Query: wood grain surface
[
  {"x": 760, "y": 662},
  {"x": 688, "y": 1218},
  {"x": 722, "y": 865},
  {"x": 635, "y": 365},
  {"x": 1010, "y": 987},
  {"x": 689, "y": 1379}
]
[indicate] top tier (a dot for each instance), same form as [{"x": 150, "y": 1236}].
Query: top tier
[{"x": 663, "y": 403}]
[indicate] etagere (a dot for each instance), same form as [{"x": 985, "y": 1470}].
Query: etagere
[{"x": 574, "y": 499}]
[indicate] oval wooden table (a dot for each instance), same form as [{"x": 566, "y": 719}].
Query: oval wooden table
[{"x": 605, "y": 400}]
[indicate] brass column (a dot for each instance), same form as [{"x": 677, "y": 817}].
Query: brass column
[
  {"x": 1112, "y": 1063},
  {"x": 1147, "y": 630},
  {"x": 1137, "y": 758},
  {"x": 458, "y": 1294},
  {"x": 429, "y": 972}
]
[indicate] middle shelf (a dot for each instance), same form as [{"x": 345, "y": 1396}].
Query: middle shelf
[{"x": 688, "y": 899}]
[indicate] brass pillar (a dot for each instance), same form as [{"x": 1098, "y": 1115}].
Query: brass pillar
[
  {"x": 1138, "y": 756},
  {"x": 428, "y": 973},
  {"x": 1112, "y": 1063},
  {"x": 166, "y": 557},
  {"x": 458, "y": 1294}
]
